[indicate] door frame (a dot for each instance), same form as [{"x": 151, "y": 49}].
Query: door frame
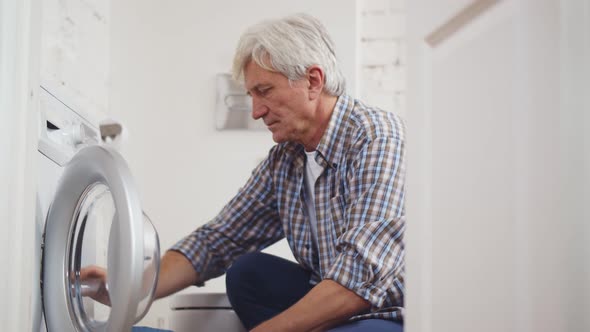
[{"x": 20, "y": 40}]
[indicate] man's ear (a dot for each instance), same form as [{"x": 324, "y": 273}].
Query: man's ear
[{"x": 315, "y": 78}]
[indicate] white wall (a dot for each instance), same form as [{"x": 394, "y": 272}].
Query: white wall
[
  {"x": 498, "y": 231},
  {"x": 575, "y": 153}
]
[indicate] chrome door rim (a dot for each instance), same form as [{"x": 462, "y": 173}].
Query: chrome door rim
[{"x": 90, "y": 166}]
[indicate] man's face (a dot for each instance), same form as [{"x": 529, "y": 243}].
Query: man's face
[{"x": 285, "y": 108}]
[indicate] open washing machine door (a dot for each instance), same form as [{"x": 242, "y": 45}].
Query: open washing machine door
[{"x": 96, "y": 213}]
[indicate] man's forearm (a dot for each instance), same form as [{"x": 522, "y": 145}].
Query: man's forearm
[
  {"x": 326, "y": 305},
  {"x": 176, "y": 273}
]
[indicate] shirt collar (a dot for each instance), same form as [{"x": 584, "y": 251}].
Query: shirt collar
[{"x": 331, "y": 143}]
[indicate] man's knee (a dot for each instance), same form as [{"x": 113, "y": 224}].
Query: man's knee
[{"x": 241, "y": 270}]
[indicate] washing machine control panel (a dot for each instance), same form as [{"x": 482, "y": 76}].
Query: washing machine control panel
[{"x": 62, "y": 131}]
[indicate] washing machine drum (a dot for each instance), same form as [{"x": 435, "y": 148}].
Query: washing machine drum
[{"x": 96, "y": 223}]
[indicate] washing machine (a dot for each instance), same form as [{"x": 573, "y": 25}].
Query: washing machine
[{"x": 89, "y": 214}]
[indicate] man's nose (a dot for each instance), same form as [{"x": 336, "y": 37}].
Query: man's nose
[{"x": 258, "y": 108}]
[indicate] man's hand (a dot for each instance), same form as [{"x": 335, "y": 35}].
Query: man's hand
[{"x": 93, "y": 280}]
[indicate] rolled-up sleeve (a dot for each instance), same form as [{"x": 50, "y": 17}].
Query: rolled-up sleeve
[{"x": 370, "y": 251}]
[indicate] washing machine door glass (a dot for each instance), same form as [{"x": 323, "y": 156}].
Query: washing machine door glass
[{"x": 101, "y": 252}]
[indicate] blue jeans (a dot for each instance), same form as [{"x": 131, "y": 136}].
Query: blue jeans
[{"x": 260, "y": 286}]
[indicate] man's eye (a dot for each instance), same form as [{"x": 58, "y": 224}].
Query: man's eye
[{"x": 263, "y": 92}]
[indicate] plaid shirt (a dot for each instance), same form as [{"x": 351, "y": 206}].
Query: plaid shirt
[{"x": 359, "y": 203}]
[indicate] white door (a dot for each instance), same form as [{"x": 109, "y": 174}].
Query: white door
[
  {"x": 96, "y": 192},
  {"x": 497, "y": 239}
]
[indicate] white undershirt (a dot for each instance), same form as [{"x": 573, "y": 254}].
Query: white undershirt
[{"x": 313, "y": 170}]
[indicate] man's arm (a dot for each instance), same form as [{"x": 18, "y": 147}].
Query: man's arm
[
  {"x": 326, "y": 305},
  {"x": 176, "y": 273}
]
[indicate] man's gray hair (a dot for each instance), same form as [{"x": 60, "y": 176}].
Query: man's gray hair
[{"x": 290, "y": 46}]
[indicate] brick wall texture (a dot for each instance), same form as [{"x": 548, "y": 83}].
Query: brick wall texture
[{"x": 382, "y": 71}]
